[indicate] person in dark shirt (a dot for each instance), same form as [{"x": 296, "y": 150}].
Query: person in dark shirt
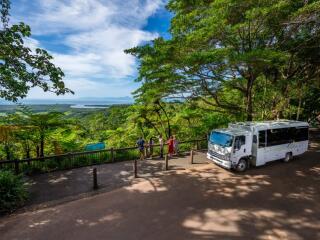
[{"x": 140, "y": 144}]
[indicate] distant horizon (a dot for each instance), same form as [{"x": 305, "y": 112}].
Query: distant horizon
[{"x": 72, "y": 101}]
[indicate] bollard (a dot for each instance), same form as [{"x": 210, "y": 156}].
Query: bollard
[
  {"x": 135, "y": 168},
  {"x": 69, "y": 158},
  {"x": 112, "y": 155},
  {"x": 191, "y": 157},
  {"x": 95, "y": 179},
  {"x": 166, "y": 162}
]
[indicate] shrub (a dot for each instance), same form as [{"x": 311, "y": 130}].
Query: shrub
[{"x": 13, "y": 192}]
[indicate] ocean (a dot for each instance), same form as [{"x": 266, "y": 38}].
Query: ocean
[{"x": 76, "y": 103}]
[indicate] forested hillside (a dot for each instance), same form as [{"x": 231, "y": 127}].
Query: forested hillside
[{"x": 226, "y": 61}]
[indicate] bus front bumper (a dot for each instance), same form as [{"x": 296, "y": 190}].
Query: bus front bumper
[{"x": 223, "y": 163}]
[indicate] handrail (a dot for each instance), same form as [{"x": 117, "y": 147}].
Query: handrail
[{"x": 71, "y": 154}]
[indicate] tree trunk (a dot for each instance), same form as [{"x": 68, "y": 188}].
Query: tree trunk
[
  {"x": 168, "y": 120},
  {"x": 38, "y": 151},
  {"x": 249, "y": 107},
  {"x": 27, "y": 151},
  {"x": 299, "y": 105},
  {"x": 160, "y": 118},
  {"x": 8, "y": 152},
  {"x": 155, "y": 128},
  {"x": 264, "y": 106}
]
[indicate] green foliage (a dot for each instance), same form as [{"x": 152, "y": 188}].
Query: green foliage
[
  {"x": 20, "y": 67},
  {"x": 226, "y": 53},
  {"x": 226, "y": 61},
  {"x": 13, "y": 192}
]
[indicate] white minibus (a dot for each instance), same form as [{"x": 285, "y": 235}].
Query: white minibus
[{"x": 247, "y": 144}]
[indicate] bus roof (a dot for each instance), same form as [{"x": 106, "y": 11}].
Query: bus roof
[
  {"x": 250, "y": 126},
  {"x": 233, "y": 131}
]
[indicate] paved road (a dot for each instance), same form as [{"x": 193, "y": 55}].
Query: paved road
[
  {"x": 52, "y": 188},
  {"x": 277, "y": 201}
]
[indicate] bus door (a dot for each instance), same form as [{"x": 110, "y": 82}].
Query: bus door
[
  {"x": 259, "y": 148},
  {"x": 254, "y": 149}
]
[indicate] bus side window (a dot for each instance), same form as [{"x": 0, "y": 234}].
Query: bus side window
[
  {"x": 239, "y": 141},
  {"x": 301, "y": 134},
  {"x": 262, "y": 139},
  {"x": 292, "y": 133}
]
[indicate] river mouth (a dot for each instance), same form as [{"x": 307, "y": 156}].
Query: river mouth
[{"x": 82, "y": 106}]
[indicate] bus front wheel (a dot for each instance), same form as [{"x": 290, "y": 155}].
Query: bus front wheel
[{"x": 242, "y": 165}]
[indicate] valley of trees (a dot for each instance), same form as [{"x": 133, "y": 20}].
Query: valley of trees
[
  {"x": 226, "y": 60},
  {"x": 26, "y": 133}
]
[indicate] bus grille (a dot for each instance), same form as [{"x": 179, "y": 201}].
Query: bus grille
[{"x": 217, "y": 155}]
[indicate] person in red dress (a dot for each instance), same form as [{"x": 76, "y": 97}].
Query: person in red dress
[{"x": 170, "y": 146}]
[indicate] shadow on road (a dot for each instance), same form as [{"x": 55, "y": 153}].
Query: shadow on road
[{"x": 278, "y": 201}]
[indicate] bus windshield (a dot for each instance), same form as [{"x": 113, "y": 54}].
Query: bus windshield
[{"x": 222, "y": 139}]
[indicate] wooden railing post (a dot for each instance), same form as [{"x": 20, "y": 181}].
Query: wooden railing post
[
  {"x": 145, "y": 153},
  {"x": 16, "y": 166},
  {"x": 95, "y": 179},
  {"x": 112, "y": 154},
  {"x": 135, "y": 168},
  {"x": 191, "y": 156},
  {"x": 166, "y": 162},
  {"x": 59, "y": 160},
  {"x": 69, "y": 156}
]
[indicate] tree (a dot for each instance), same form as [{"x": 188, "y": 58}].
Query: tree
[
  {"x": 221, "y": 50},
  {"x": 43, "y": 124},
  {"x": 7, "y": 140},
  {"x": 20, "y": 68},
  {"x": 35, "y": 127}
]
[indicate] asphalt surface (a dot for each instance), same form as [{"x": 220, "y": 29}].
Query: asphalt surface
[
  {"x": 61, "y": 186},
  {"x": 277, "y": 201}
]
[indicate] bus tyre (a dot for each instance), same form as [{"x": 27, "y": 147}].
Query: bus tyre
[
  {"x": 288, "y": 157},
  {"x": 242, "y": 165}
]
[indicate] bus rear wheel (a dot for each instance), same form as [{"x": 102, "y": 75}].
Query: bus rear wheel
[
  {"x": 288, "y": 157},
  {"x": 242, "y": 165}
]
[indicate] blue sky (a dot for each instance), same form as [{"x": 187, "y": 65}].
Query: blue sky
[{"x": 87, "y": 39}]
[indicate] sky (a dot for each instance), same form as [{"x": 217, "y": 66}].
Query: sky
[{"x": 87, "y": 39}]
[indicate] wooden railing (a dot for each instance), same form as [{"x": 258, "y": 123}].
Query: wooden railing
[{"x": 88, "y": 158}]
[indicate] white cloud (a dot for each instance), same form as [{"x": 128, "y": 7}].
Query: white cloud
[
  {"x": 96, "y": 32},
  {"x": 108, "y": 45},
  {"x": 61, "y": 16},
  {"x": 134, "y": 13},
  {"x": 31, "y": 43},
  {"x": 78, "y": 65}
]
